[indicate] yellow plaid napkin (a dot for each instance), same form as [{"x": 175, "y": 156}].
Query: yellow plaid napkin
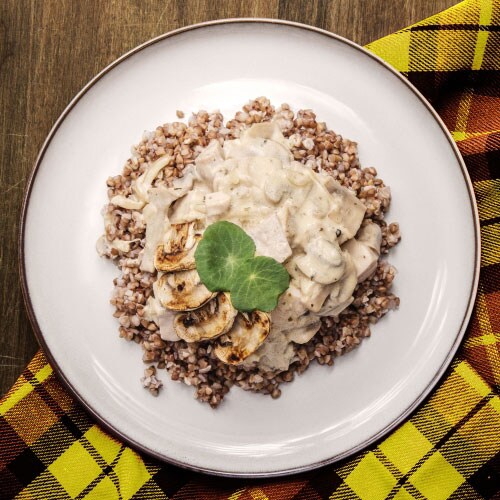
[{"x": 450, "y": 448}]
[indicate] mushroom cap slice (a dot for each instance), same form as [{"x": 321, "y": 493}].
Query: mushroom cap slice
[
  {"x": 181, "y": 291},
  {"x": 210, "y": 321},
  {"x": 247, "y": 335},
  {"x": 178, "y": 253}
]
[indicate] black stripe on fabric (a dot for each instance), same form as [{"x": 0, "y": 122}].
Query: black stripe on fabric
[
  {"x": 107, "y": 471},
  {"x": 439, "y": 85},
  {"x": 325, "y": 481},
  {"x": 10, "y": 485},
  {"x": 486, "y": 480},
  {"x": 398, "y": 475},
  {"x": 478, "y": 165},
  {"x": 75, "y": 431},
  {"x": 149, "y": 490},
  {"x": 171, "y": 479},
  {"x": 493, "y": 154},
  {"x": 466, "y": 80},
  {"x": 94, "y": 453},
  {"x": 456, "y": 27},
  {"x": 41, "y": 390},
  {"x": 26, "y": 466},
  {"x": 403, "y": 481},
  {"x": 490, "y": 282},
  {"x": 490, "y": 222},
  {"x": 387, "y": 463}
]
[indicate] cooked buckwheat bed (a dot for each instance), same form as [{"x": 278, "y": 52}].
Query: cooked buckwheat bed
[{"x": 314, "y": 145}]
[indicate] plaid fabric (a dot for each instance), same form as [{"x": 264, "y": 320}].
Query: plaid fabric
[{"x": 49, "y": 447}]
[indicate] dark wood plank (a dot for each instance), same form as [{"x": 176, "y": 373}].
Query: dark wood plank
[
  {"x": 361, "y": 20},
  {"x": 50, "y": 49}
]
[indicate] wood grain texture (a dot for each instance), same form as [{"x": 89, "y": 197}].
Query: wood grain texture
[{"x": 49, "y": 49}]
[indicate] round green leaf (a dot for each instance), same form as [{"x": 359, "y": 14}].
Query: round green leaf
[
  {"x": 260, "y": 282},
  {"x": 220, "y": 252}
]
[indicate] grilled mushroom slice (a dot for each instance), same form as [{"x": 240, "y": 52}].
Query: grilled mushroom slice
[
  {"x": 209, "y": 322},
  {"x": 181, "y": 291},
  {"x": 247, "y": 335},
  {"x": 178, "y": 253}
]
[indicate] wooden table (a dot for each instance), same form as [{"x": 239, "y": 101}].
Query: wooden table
[{"x": 50, "y": 48}]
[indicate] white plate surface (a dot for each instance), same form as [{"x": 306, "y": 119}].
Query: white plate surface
[{"x": 329, "y": 412}]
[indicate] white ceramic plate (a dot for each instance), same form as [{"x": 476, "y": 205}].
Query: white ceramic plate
[{"x": 328, "y": 413}]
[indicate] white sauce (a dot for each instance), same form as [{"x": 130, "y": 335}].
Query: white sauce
[{"x": 301, "y": 218}]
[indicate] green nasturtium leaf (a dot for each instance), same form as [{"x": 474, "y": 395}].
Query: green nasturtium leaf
[
  {"x": 260, "y": 282},
  {"x": 225, "y": 262},
  {"x": 223, "y": 247}
]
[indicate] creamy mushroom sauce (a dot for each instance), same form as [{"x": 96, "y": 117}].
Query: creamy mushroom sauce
[{"x": 301, "y": 218}]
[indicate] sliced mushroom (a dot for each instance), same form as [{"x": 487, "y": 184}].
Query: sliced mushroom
[
  {"x": 210, "y": 321},
  {"x": 247, "y": 335},
  {"x": 181, "y": 291},
  {"x": 178, "y": 253}
]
